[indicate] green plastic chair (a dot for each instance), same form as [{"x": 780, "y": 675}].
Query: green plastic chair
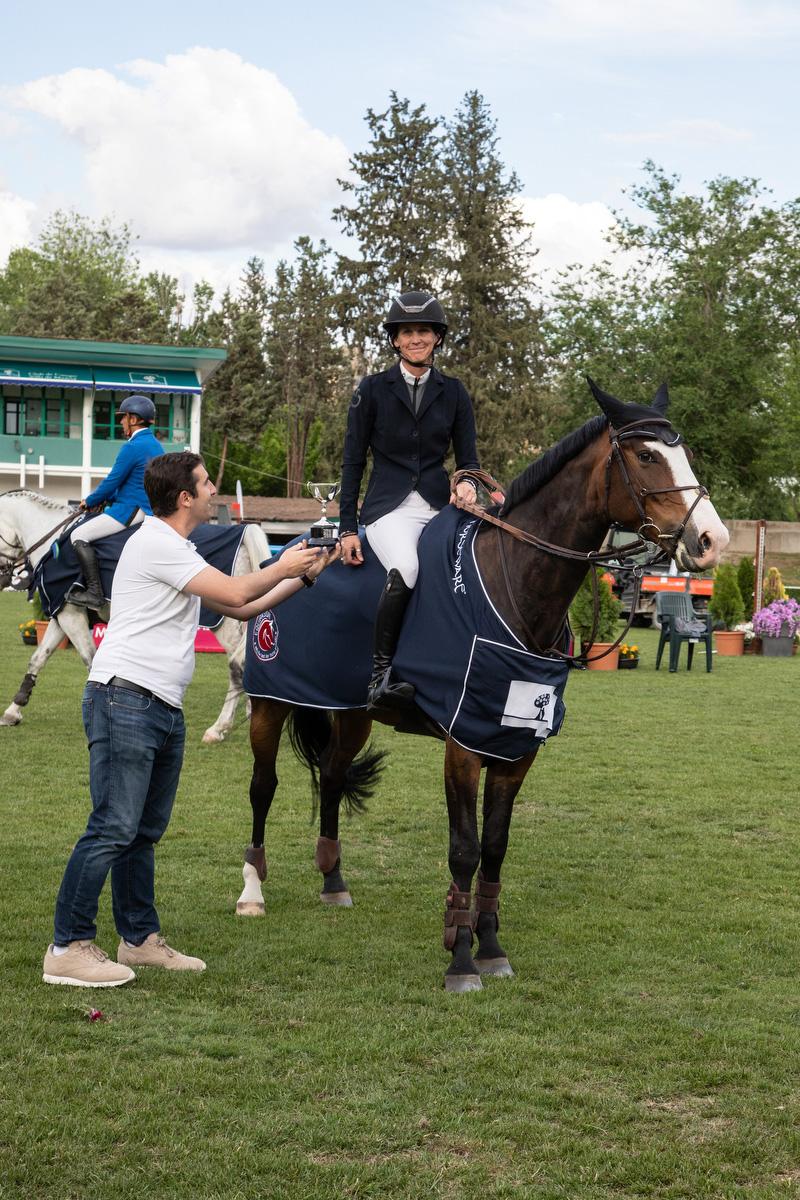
[{"x": 672, "y": 607}]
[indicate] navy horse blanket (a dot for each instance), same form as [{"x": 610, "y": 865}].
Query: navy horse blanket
[
  {"x": 472, "y": 675},
  {"x": 59, "y": 569}
]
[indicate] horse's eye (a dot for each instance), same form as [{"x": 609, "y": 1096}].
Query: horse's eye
[{"x": 645, "y": 456}]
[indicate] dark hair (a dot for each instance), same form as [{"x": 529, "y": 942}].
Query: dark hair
[{"x": 167, "y": 476}]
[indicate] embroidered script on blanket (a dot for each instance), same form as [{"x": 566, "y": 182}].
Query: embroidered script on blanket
[{"x": 472, "y": 675}]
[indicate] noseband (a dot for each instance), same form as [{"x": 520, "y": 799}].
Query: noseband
[{"x": 668, "y": 541}]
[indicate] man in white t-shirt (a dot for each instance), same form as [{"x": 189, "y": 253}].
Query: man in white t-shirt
[{"x": 134, "y": 723}]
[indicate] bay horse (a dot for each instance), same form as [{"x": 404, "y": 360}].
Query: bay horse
[
  {"x": 626, "y": 467},
  {"x": 26, "y": 518}
]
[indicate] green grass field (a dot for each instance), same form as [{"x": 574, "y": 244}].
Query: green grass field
[{"x": 648, "y": 1046}]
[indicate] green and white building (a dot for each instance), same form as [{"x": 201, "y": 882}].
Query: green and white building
[{"x": 58, "y": 398}]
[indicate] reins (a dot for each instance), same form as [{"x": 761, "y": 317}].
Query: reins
[
  {"x": 592, "y": 558},
  {"x": 9, "y": 565}
]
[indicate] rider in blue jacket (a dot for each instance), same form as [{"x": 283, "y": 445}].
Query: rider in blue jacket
[{"x": 122, "y": 491}]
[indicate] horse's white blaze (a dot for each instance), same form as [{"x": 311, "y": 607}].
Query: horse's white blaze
[{"x": 704, "y": 523}]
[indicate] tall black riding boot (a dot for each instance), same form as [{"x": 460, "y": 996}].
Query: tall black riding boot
[
  {"x": 90, "y": 596},
  {"x": 391, "y": 608}
]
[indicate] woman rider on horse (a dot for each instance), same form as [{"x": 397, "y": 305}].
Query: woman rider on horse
[
  {"x": 408, "y": 417},
  {"x": 123, "y": 491}
]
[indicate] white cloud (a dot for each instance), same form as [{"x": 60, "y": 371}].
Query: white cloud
[
  {"x": 697, "y": 132},
  {"x": 16, "y": 223},
  {"x": 516, "y": 24},
  {"x": 566, "y": 232},
  {"x": 202, "y": 150}
]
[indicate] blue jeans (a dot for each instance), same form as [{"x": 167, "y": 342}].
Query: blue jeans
[{"x": 135, "y": 756}]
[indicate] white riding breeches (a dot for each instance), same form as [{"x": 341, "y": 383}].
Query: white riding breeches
[
  {"x": 101, "y": 526},
  {"x": 394, "y": 536}
]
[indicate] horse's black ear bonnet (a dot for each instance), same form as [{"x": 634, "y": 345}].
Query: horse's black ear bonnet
[{"x": 636, "y": 419}]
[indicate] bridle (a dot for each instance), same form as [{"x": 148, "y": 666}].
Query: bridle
[
  {"x": 666, "y": 543},
  {"x": 9, "y": 564}
]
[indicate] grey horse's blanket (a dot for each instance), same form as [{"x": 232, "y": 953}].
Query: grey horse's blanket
[
  {"x": 59, "y": 569},
  {"x": 472, "y": 676}
]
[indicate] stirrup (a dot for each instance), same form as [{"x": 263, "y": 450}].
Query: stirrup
[
  {"x": 86, "y": 599},
  {"x": 385, "y": 693}
]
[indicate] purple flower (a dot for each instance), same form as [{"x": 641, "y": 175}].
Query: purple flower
[{"x": 781, "y": 618}]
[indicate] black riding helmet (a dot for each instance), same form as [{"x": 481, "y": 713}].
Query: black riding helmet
[
  {"x": 140, "y": 406},
  {"x": 415, "y": 308}
]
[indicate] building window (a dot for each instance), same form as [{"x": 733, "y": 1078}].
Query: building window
[
  {"x": 37, "y": 412},
  {"x": 13, "y": 415},
  {"x": 173, "y": 410}
]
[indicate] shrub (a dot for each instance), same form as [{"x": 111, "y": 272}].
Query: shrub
[
  {"x": 773, "y": 587},
  {"x": 581, "y": 613},
  {"x": 726, "y": 605},
  {"x": 746, "y": 578}
]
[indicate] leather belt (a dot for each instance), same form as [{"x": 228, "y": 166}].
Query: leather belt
[{"x": 118, "y": 681}]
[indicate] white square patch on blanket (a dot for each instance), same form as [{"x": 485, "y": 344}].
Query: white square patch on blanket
[{"x": 530, "y": 706}]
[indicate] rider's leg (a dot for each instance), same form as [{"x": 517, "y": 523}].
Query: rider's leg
[
  {"x": 91, "y": 595},
  {"x": 394, "y": 539}
]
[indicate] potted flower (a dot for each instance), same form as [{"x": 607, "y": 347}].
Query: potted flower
[
  {"x": 582, "y": 619},
  {"x": 727, "y": 610},
  {"x": 628, "y": 657},
  {"x": 777, "y": 625},
  {"x": 28, "y": 631}
]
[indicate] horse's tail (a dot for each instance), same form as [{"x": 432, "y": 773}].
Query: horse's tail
[{"x": 309, "y": 734}]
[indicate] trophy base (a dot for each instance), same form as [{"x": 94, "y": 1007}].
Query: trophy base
[{"x": 323, "y": 535}]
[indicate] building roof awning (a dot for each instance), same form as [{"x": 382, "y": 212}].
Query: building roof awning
[
  {"x": 44, "y": 374},
  {"x": 120, "y": 380}
]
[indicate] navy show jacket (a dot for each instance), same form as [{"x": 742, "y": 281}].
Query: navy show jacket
[{"x": 408, "y": 448}]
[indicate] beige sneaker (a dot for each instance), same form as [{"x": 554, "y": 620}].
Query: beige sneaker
[
  {"x": 154, "y": 952},
  {"x": 84, "y": 965}
]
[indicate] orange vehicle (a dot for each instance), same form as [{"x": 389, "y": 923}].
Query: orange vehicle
[{"x": 620, "y": 576}]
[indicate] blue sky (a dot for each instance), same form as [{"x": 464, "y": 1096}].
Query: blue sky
[{"x": 218, "y": 130}]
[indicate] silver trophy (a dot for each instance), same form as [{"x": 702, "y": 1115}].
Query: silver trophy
[{"x": 324, "y": 533}]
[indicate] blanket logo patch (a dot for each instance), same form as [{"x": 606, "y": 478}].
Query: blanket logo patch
[
  {"x": 265, "y": 636},
  {"x": 530, "y": 706}
]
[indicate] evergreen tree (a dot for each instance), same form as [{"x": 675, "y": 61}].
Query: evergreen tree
[
  {"x": 307, "y": 371},
  {"x": 396, "y": 220},
  {"x": 494, "y": 345},
  {"x": 236, "y": 404}
]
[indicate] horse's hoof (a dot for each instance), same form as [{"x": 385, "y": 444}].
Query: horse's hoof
[
  {"x": 250, "y": 908},
  {"x": 212, "y": 738},
  {"x": 499, "y": 967},
  {"x": 9, "y": 719},
  {"x": 339, "y": 899},
  {"x": 462, "y": 983}
]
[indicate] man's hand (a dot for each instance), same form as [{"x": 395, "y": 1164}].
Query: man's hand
[
  {"x": 352, "y": 555},
  {"x": 299, "y": 560},
  {"x": 324, "y": 560}
]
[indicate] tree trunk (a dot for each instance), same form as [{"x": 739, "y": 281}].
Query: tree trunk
[{"x": 222, "y": 458}]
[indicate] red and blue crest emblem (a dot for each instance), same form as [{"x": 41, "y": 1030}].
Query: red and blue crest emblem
[{"x": 265, "y": 636}]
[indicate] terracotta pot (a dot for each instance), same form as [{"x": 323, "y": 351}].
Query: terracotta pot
[
  {"x": 41, "y": 630},
  {"x": 729, "y": 642},
  {"x": 609, "y": 662}
]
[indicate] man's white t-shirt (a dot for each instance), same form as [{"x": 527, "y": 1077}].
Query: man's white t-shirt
[{"x": 150, "y": 637}]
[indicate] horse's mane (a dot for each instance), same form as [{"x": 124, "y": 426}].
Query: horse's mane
[
  {"x": 45, "y": 501},
  {"x": 542, "y": 470}
]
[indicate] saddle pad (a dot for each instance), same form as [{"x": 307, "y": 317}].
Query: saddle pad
[
  {"x": 59, "y": 569},
  {"x": 315, "y": 649}
]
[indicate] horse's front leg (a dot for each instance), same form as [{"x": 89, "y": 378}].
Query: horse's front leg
[
  {"x": 462, "y": 771},
  {"x": 503, "y": 781},
  {"x": 339, "y": 777},
  {"x": 266, "y": 723},
  {"x": 50, "y": 642}
]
